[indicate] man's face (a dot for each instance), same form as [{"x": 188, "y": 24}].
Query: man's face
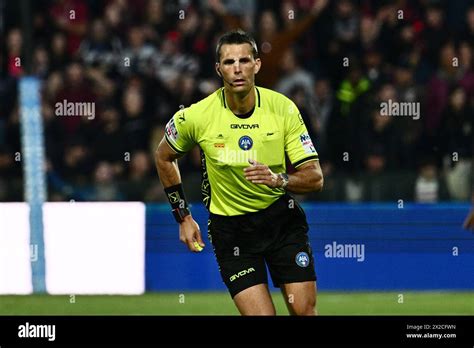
[{"x": 238, "y": 67}]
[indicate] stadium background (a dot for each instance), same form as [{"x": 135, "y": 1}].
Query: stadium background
[{"x": 138, "y": 61}]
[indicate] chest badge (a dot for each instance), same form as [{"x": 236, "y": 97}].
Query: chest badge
[{"x": 245, "y": 143}]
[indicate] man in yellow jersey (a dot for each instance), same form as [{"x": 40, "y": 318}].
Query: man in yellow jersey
[{"x": 244, "y": 133}]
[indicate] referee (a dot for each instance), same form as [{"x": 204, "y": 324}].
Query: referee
[{"x": 245, "y": 134}]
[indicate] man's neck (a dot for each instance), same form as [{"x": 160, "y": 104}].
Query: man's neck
[{"x": 241, "y": 104}]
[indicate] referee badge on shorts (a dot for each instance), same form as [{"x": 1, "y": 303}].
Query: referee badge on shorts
[
  {"x": 302, "y": 259},
  {"x": 245, "y": 143}
]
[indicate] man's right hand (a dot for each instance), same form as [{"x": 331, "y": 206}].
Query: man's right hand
[{"x": 189, "y": 234}]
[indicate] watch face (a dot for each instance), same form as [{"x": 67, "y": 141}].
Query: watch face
[{"x": 284, "y": 178}]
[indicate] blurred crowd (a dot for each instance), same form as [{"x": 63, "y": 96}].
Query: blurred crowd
[{"x": 140, "y": 60}]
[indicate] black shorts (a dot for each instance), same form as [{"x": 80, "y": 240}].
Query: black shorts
[{"x": 276, "y": 237}]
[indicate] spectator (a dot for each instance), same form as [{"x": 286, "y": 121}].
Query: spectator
[
  {"x": 76, "y": 90},
  {"x": 77, "y": 163},
  {"x": 274, "y": 43},
  {"x": 457, "y": 140},
  {"x": 374, "y": 69},
  {"x": 170, "y": 62},
  {"x": 293, "y": 75},
  {"x": 114, "y": 19},
  {"x": 138, "y": 54},
  {"x": 299, "y": 96},
  {"x": 41, "y": 62},
  {"x": 369, "y": 31},
  {"x": 188, "y": 92},
  {"x": 104, "y": 188},
  {"x": 468, "y": 34},
  {"x": 449, "y": 74},
  {"x": 156, "y": 21},
  {"x": 404, "y": 83},
  {"x": 324, "y": 103},
  {"x": 59, "y": 55},
  {"x": 139, "y": 176},
  {"x": 346, "y": 26},
  {"x": 407, "y": 91},
  {"x": 380, "y": 143},
  {"x": 135, "y": 124},
  {"x": 346, "y": 120},
  {"x": 435, "y": 33},
  {"x": 14, "y": 56},
  {"x": 109, "y": 143},
  {"x": 70, "y": 17},
  {"x": 429, "y": 187},
  {"x": 355, "y": 86},
  {"x": 100, "y": 49}
]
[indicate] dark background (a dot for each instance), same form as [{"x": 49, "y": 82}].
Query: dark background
[{"x": 170, "y": 47}]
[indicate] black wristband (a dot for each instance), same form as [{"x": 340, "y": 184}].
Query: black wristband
[
  {"x": 176, "y": 197},
  {"x": 180, "y": 213}
]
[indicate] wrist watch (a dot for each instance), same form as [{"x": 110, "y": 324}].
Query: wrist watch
[
  {"x": 180, "y": 213},
  {"x": 284, "y": 180}
]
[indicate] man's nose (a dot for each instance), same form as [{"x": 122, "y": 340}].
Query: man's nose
[{"x": 236, "y": 67}]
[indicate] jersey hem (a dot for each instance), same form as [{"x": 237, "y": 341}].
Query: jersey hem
[{"x": 250, "y": 212}]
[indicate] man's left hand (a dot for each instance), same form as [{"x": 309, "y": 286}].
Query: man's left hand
[{"x": 259, "y": 173}]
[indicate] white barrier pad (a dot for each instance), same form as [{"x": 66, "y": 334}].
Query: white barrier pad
[
  {"x": 15, "y": 266},
  {"x": 95, "y": 248}
]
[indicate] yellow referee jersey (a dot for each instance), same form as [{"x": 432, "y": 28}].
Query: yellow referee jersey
[{"x": 227, "y": 142}]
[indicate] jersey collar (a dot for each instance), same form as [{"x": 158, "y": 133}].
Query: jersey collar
[{"x": 225, "y": 104}]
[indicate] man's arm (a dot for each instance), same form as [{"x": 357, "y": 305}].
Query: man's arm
[
  {"x": 167, "y": 164},
  {"x": 307, "y": 178},
  {"x": 167, "y": 167}
]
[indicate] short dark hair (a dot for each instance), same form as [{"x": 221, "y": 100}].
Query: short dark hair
[{"x": 236, "y": 37}]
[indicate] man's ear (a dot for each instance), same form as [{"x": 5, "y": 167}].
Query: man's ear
[
  {"x": 218, "y": 70},
  {"x": 258, "y": 64}
]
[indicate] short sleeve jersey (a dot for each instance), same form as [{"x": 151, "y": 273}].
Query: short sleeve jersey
[{"x": 227, "y": 142}]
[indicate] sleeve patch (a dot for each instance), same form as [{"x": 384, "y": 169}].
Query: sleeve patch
[
  {"x": 171, "y": 130},
  {"x": 307, "y": 143}
]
